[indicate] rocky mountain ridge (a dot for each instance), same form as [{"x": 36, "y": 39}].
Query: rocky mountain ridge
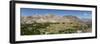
[{"x": 49, "y": 18}]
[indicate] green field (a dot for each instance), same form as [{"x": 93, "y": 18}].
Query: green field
[{"x": 53, "y": 28}]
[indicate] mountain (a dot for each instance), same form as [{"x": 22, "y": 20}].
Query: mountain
[
  {"x": 87, "y": 20},
  {"x": 54, "y": 24},
  {"x": 49, "y": 18}
]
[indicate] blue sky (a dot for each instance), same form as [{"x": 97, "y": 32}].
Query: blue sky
[{"x": 34, "y": 11}]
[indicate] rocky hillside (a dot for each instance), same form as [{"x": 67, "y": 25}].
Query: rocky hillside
[
  {"x": 53, "y": 24},
  {"x": 49, "y": 18}
]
